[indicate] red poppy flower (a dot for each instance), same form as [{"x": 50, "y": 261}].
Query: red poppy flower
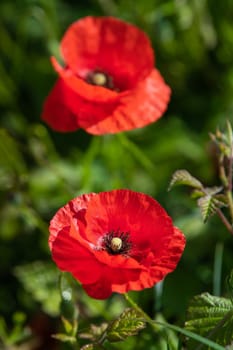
[
  {"x": 115, "y": 242},
  {"x": 108, "y": 83}
]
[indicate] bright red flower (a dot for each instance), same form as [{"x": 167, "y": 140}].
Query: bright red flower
[
  {"x": 109, "y": 83},
  {"x": 115, "y": 242}
]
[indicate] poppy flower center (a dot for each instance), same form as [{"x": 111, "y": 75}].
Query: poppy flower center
[
  {"x": 100, "y": 78},
  {"x": 116, "y": 242}
]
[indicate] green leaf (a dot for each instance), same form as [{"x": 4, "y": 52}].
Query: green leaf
[
  {"x": 211, "y": 317},
  {"x": 197, "y": 194},
  {"x": 183, "y": 177},
  {"x": 64, "y": 338},
  {"x": 68, "y": 326},
  {"x": 94, "y": 333},
  {"x": 208, "y": 205},
  {"x": 213, "y": 190},
  {"x": 129, "y": 323}
]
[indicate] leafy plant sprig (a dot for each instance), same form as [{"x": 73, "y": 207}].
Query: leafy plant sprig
[{"x": 211, "y": 200}]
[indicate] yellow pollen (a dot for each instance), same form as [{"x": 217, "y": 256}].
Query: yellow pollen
[
  {"x": 116, "y": 244},
  {"x": 99, "y": 79}
]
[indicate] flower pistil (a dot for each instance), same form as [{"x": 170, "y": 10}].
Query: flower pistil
[
  {"x": 100, "y": 78},
  {"x": 116, "y": 242}
]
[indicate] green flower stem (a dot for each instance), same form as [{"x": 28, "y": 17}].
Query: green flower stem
[
  {"x": 157, "y": 326},
  {"x": 217, "y": 273},
  {"x": 137, "y": 308},
  {"x": 137, "y": 153}
]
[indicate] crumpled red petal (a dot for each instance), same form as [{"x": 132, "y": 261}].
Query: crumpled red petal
[
  {"x": 68, "y": 215},
  {"x": 71, "y": 256},
  {"x": 167, "y": 261},
  {"x": 137, "y": 108},
  {"x": 93, "y": 93},
  {"x": 143, "y": 105}
]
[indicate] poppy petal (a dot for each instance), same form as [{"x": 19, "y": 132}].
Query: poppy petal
[
  {"x": 101, "y": 289},
  {"x": 55, "y": 110},
  {"x": 142, "y": 106},
  {"x": 66, "y": 216},
  {"x": 111, "y": 45},
  {"x": 135, "y": 94},
  {"x": 114, "y": 280},
  {"x": 82, "y": 88},
  {"x": 72, "y": 257},
  {"x": 116, "y": 210},
  {"x": 167, "y": 261}
]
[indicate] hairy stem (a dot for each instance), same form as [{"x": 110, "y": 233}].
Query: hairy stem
[
  {"x": 229, "y": 187},
  {"x": 224, "y": 220},
  {"x": 137, "y": 308},
  {"x": 227, "y": 183}
]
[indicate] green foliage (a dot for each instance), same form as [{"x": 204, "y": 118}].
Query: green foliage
[
  {"x": 19, "y": 333},
  {"x": 209, "y": 205},
  {"x": 92, "y": 347},
  {"x": 11, "y": 161},
  {"x": 40, "y": 170},
  {"x": 41, "y": 280},
  {"x": 212, "y": 317},
  {"x": 129, "y": 323},
  {"x": 94, "y": 333},
  {"x": 183, "y": 177},
  {"x": 64, "y": 338},
  {"x": 208, "y": 198}
]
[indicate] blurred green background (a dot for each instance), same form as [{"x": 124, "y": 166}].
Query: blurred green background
[{"x": 40, "y": 170}]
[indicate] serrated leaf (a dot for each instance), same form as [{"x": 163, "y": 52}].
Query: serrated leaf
[
  {"x": 222, "y": 199},
  {"x": 183, "y": 177},
  {"x": 211, "y": 317},
  {"x": 129, "y": 323},
  {"x": 213, "y": 190},
  {"x": 208, "y": 205}
]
